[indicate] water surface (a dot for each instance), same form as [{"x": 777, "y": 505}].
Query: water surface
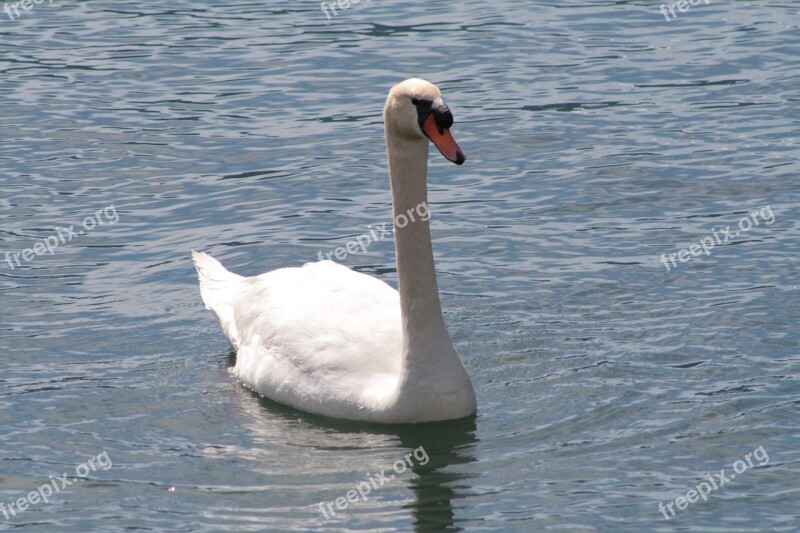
[{"x": 599, "y": 135}]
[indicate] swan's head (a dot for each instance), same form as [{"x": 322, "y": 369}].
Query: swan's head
[{"x": 415, "y": 109}]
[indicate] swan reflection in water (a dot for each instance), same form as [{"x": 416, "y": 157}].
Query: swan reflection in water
[{"x": 339, "y": 454}]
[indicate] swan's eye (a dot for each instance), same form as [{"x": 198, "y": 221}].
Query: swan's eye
[{"x": 421, "y": 104}]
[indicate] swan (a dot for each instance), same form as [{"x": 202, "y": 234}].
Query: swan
[{"x": 325, "y": 339}]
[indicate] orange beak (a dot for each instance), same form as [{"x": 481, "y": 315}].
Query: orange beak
[{"x": 443, "y": 141}]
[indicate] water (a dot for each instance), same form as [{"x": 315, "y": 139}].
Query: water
[{"x": 599, "y": 137}]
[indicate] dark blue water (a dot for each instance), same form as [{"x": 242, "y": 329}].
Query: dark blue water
[{"x": 600, "y": 136}]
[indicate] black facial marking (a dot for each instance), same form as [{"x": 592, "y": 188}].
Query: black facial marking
[{"x": 441, "y": 113}]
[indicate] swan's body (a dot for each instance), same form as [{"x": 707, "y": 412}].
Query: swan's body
[{"x": 328, "y": 340}]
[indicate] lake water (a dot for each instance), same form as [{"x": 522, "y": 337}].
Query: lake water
[{"x": 611, "y": 380}]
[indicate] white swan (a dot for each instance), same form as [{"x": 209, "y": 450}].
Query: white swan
[{"x": 329, "y": 340}]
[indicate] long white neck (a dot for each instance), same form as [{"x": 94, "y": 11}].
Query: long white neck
[{"x": 426, "y": 343}]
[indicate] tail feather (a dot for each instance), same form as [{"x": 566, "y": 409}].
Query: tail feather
[{"x": 219, "y": 288}]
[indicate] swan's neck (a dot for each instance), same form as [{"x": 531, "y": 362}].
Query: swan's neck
[{"x": 426, "y": 343}]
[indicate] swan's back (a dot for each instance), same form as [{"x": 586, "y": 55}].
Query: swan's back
[{"x": 319, "y": 337}]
